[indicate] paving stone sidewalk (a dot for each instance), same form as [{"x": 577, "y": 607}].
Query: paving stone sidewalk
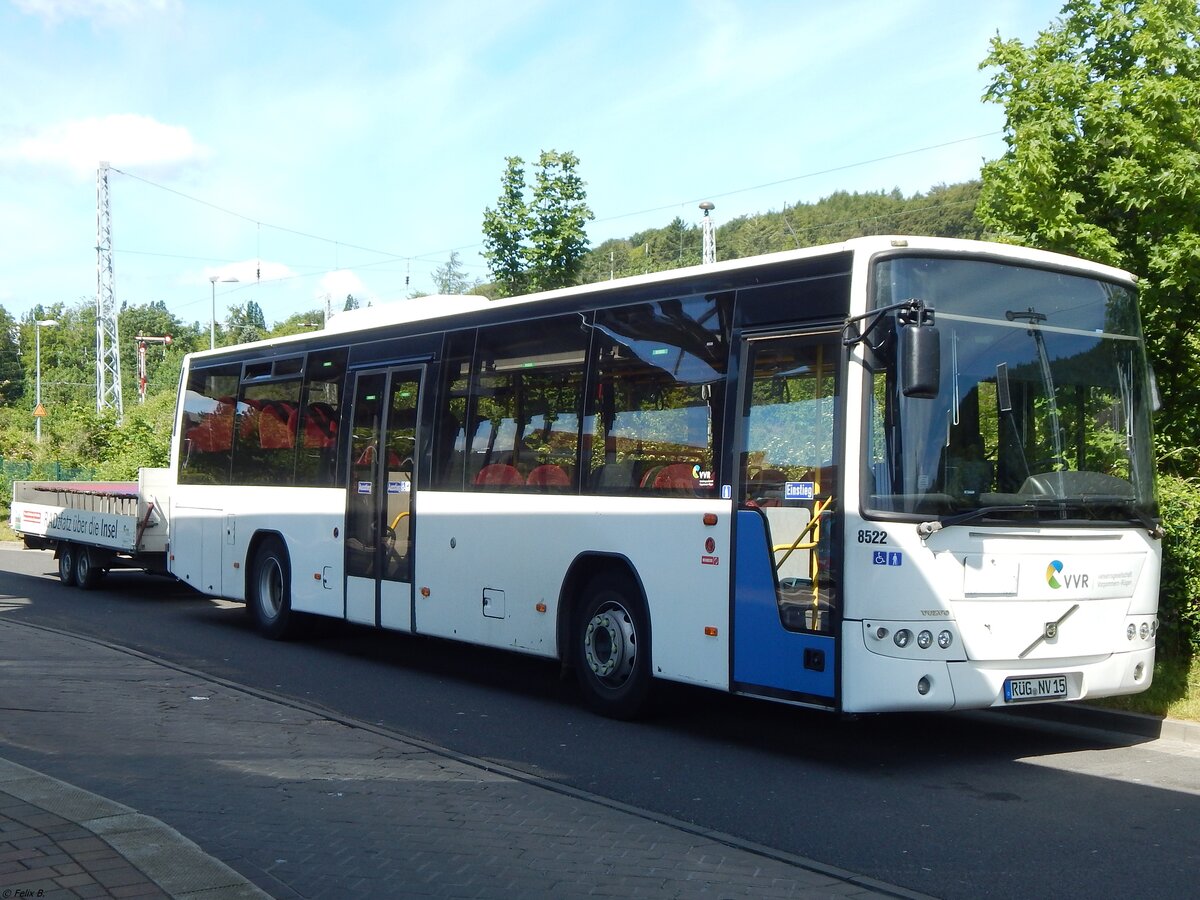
[
  {"x": 295, "y": 802},
  {"x": 58, "y": 841}
]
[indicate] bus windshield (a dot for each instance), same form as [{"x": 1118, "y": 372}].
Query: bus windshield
[{"x": 1043, "y": 408}]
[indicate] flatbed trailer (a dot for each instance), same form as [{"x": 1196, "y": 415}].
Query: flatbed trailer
[{"x": 94, "y": 526}]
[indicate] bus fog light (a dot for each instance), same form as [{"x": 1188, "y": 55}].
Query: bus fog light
[
  {"x": 925, "y": 640},
  {"x": 945, "y": 639},
  {"x": 1144, "y": 631},
  {"x": 923, "y": 685},
  {"x": 903, "y": 637},
  {"x": 1130, "y": 631},
  {"x": 1138, "y": 671}
]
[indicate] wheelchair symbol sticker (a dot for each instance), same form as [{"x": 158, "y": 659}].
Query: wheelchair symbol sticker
[{"x": 887, "y": 558}]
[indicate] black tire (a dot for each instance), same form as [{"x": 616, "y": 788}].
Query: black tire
[
  {"x": 87, "y": 569},
  {"x": 66, "y": 563},
  {"x": 612, "y": 648},
  {"x": 269, "y": 593}
]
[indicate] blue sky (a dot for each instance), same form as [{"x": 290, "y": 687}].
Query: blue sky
[{"x": 348, "y": 147}]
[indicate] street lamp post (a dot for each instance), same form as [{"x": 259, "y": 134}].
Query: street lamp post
[
  {"x": 212, "y": 328},
  {"x": 38, "y": 325}
]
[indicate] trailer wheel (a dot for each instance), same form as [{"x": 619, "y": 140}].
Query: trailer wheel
[
  {"x": 87, "y": 571},
  {"x": 66, "y": 563},
  {"x": 270, "y": 594},
  {"x": 612, "y": 647}
]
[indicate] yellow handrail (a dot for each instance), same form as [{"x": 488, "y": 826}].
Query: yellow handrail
[{"x": 819, "y": 508}]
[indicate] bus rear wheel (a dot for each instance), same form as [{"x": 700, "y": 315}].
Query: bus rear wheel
[
  {"x": 270, "y": 591},
  {"x": 612, "y": 646}
]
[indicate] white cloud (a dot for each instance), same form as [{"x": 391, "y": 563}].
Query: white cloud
[
  {"x": 340, "y": 282},
  {"x": 249, "y": 271},
  {"x": 124, "y": 139},
  {"x": 55, "y": 11}
]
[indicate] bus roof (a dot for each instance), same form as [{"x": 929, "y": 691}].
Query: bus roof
[{"x": 441, "y": 306}]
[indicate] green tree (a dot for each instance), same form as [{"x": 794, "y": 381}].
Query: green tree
[
  {"x": 245, "y": 323},
  {"x": 163, "y": 361},
  {"x": 12, "y": 375},
  {"x": 68, "y": 355},
  {"x": 538, "y": 243},
  {"x": 558, "y": 237},
  {"x": 1103, "y": 161},
  {"x": 505, "y": 229},
  {"x": 452, "y": 277},
  {"x": 299, "y": 323}
]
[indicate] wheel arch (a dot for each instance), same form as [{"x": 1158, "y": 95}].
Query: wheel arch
[
  {"x": 583, "y": 569},
  {"x": 257, "y": 540}
]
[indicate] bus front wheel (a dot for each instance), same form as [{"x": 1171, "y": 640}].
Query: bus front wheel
[
  {"x": 270, "y": 594},
  {"x": 612, "y": 644}
]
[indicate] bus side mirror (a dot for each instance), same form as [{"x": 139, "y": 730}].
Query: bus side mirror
[{"x": 920, "y": 354}]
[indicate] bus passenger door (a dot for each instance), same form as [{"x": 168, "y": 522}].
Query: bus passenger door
[
  {"x": 786, "y": 603},
  {"x": 379, "y": 499}
]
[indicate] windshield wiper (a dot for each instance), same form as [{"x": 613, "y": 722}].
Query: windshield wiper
[
  {"x": 1061, "y": 504},
  {"x": 925, "y": 529}
]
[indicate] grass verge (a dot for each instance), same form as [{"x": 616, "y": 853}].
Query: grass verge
[{"x": 1174, "y": 694}]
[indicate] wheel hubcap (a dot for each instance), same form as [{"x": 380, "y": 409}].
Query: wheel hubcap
[
  {"x": 270, "y": 589},
  {"x": 610, "y": 644}
]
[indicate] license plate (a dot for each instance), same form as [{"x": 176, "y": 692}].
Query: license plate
[{"x": 1040, "y": 687}]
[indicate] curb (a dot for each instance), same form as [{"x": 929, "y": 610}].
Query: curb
[
  {"x": 1113, "y": 721},
  {"x": 163, "y": 855},
  {"x": 860, "y": 881}
]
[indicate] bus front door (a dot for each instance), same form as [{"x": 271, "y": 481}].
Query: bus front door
[
  {"x": 380, "y": 498},
  {"x": 785, "y": 602}
]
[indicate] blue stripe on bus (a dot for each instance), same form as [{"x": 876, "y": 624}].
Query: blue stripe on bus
[{"x": 764, "y": 652}]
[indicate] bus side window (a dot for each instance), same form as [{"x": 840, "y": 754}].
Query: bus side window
[
  {"x": 317, "y": 426},
  {"x": 525, "y": 407},
  {"x": 449, "y": 438},
  {"x": 659, "y": 386},
  {"x": 264, "y": 450},
  {"x": 206, "y": 432}
]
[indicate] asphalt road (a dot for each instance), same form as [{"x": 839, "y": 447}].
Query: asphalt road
[{"x": 957, "y": 806}]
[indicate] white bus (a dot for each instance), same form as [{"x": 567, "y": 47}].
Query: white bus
[{"x": 887, "y": 474}]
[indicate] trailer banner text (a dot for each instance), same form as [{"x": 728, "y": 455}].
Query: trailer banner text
[{"x": 102, "y": 529}]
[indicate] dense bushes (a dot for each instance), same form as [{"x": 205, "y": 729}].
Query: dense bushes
[{"x": 1179, "y": 597}]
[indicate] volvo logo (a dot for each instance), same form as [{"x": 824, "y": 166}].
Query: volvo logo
[{"x": 1049, "y": 632}]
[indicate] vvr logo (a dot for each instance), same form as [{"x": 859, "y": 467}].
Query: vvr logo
[{"x": 1056, "y": 579}]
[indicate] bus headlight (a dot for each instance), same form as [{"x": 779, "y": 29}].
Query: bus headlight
[
  {"x": 945, "y": 639},
  {"x": 925, "y": 640},
  {"x": 903, "y": 637},
  {"x": 1130, "y": 631},
  {"x": 1144, "y": 631}
]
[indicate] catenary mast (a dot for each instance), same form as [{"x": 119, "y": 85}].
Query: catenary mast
[{"x": 108, "y": 356}]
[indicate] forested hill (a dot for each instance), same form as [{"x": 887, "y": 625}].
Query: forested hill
[{"x": 943, "y": 211}]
